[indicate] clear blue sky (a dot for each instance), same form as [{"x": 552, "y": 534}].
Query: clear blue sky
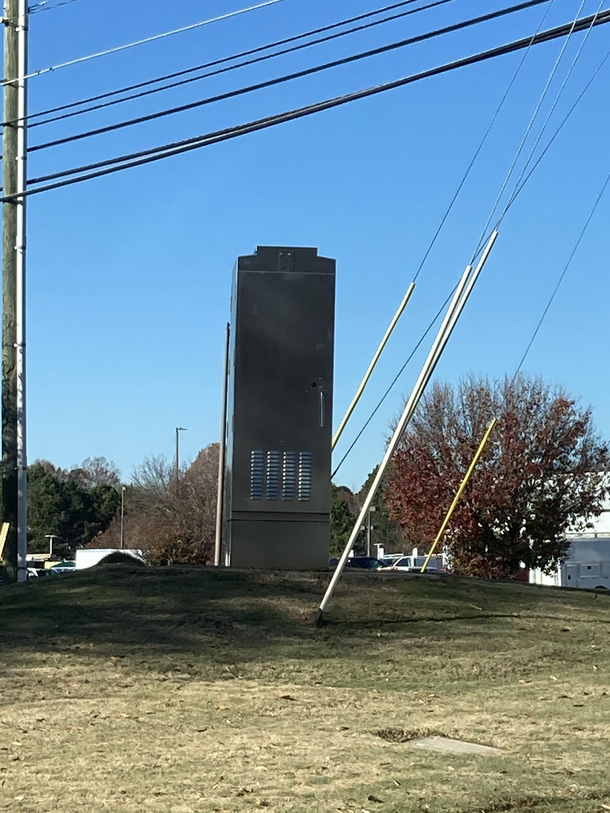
[{"x": 129, "y": 276}]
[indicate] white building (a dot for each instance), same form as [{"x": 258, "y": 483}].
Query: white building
[
  {"x": 587, "y": 563},
  {"x": 89, "y": 557}
]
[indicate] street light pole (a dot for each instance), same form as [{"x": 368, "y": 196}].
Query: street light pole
[
  {"x": 123, "y": 489},
  {"x": 178, "y": 430},
  {"x": 369, "y": 528},
  {"x": 51, "y": 537}
]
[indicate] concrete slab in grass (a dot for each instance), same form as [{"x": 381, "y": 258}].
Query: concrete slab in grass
[{"x": 445, "y": 745}]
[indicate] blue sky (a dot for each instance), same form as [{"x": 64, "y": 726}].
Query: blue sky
[{"x": 129, "y": 276}]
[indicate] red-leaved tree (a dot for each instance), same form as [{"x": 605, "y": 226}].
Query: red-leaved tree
[{"x": 542, "y": 473}]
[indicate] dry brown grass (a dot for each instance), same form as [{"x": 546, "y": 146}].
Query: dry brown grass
[{"x": 193, "y": 690}]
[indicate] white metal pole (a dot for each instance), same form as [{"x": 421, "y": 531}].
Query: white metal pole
[
  {"x": 373, "y": 364},
  {"x": 454, "y": 311},
  {"x": 123, "y": 488},
  {"x": 20, "y": 294},
  {"x": 222, "y": 454}
]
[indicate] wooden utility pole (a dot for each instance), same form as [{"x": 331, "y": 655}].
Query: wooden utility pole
[{"x": 14, "y": 146}]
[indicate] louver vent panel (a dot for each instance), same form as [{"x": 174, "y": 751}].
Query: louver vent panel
[
  {"x": 257, "y": 474},
  {"x": 305, "y": 473},
  {"x": 278, "y": 476},
  {"x": 273, "y": 475},
  {"x": 289, "y": 486}
]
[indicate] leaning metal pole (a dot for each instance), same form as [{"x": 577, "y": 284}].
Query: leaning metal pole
[
  {"x": 222, "y": 455},
  {"x": 373, "y": 364},
  {"x": 460, "y": 298}
]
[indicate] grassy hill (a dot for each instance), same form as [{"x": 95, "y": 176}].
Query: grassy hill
[{"x": 141, "y": 689}]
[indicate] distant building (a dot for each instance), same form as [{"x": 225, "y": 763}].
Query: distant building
[{"x": 587, "y": 563}]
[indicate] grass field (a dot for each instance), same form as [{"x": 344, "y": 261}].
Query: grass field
[{"x": 198, "y": 690}]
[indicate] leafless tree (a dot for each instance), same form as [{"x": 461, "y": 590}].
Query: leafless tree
[{"x": 171, "y": 518}]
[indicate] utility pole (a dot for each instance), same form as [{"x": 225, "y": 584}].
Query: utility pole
[
  {"x": 222, "y": 454},
  {"x": 14, "y": 155}
]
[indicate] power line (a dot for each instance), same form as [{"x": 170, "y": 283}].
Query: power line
[
  {"x": 529, "y": 127},
  {"x": 154, "y": 38},
  {"x": 511, "y": 201},
  {"x": 249, "y": 52},
  {"x": 290, "y": 77},
  {"x": 229, "y": 68},
  {"x": 177, "y": 148},
  {"x": 478, "y": 150},
  {"x": 563, "y": 274},
  {"x": 550, "y": 113},
  {"x": 394, "y": 382},
  {"x": 44, "y": 6},
  {"x": 558, "y": 130}
]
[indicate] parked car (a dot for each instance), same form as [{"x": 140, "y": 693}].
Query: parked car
[
  {"x": 359, "y": 563},
  {"x": 412, "y": 564},
  {"x": 391, "y": 559},
  {"x": 63, "y": 567}
]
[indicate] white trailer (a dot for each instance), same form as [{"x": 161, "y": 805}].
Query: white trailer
[
  {"x": 89, "y": 557},
  {"x": 586, "y": 565}
]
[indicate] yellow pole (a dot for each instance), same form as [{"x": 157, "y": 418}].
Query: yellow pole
[
  {"x": 3, "y": 535},
  {"x": 456, "y": 499},
  {"x": 372, "y": 365}
]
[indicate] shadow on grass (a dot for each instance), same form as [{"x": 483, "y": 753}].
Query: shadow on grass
[
  {"x": 249, "y": 614},
  {"x": 162, "y": 609}
]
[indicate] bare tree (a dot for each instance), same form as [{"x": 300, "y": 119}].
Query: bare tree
[
  {"x": 96, "y": 471},
  {"x": 171, "y": 518}
]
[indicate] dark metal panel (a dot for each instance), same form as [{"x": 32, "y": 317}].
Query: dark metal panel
[
  {"x": 281, "y": 393},
  {"x": 280, "y": 544}
]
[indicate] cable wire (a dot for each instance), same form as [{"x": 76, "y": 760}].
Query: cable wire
[
  {"x": 559, "y": 129},
  {"x": 229, "y": 68},
  {"x": 144, "y": 41},
  {"x": 44, "y": 6},
  {"x": 361, "y": 432},
  {"x": 436, "y": 236},
  {"x": 528, "y": 129},
  {"x": 394, "y": 382},
  {"x": 221, "y": 61},
  {"x": 551, "y": 111},
  {"x": 563, "y": 274},
  {"x": 292, "y": 76},
  {"x": 480, "y": 147},
  {"x": 177, "y": 148}
]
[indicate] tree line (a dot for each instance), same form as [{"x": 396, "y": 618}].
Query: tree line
[{"x": 542, "y": 474}]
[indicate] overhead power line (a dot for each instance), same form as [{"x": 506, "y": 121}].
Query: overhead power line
[
  {"x": 110, "y": 166},
  {"x": 532, "y": 121},
  {"x": 380, "y": 403},
  {"x": 46, "y": 6},
  {"x": 538, "y": 139},
  {"x": 292, "y": 76},
  {"x": 550, "y": 113},
  {"x": 557, "y": 131},
  {"x": 562, "y": 275},
  {"x": 222, "y": 61},
  {"x": 228, "y": 68},
  {"x": 144, "y": 41},
  {"x": 479, "y": 148}
]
